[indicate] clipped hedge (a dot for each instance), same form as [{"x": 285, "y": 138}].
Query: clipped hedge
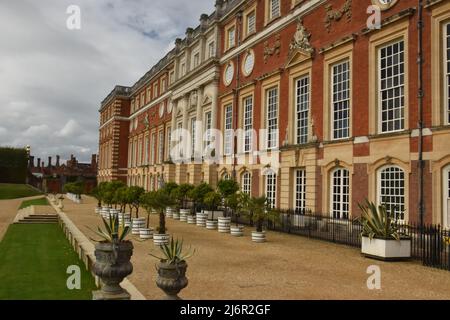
[{"x": 13, "y": 165}]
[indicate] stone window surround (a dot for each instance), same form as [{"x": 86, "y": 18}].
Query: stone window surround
[
  {"x": 439, "y": 17},
  {"x": 399, "y": 31},
  {"x": 247, "y": 12},
  {"x": 331, "y": 58},
  {"x": 266, "y": 85},
  {"x": 227, "y": 28}
]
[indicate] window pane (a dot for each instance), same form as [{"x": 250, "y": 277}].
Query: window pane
[
  {"x": 228, "y": 145},
  {"x": 392, "y": 191},
  {"x": 248, "y": 124},
  {"x": 300, "y": 191},
  {"x": 340, "y": 194},
  {"x": 302, "y": 109},
  {"x": 272, "y": 118},
  {"x": 341, "y": 100},
  {"x": 391, "y": 79}
]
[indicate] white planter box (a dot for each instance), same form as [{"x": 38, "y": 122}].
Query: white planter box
[{"x": 386, "y": 249}]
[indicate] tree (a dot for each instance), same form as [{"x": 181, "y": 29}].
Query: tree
[
  {"x": 158, "y": 201},
  {"x": 181, "y": 194},
  {"x": 133, "y": 198},
  {"x": 96, "y": 194},
  {"x": 213, "y": 201},
  {"x": 260, "y": 210},
  {"x": 226, "y": 189},
  {"x": 198, "y": 194},
  {"x": 121, "y": 198},
  {"x": 237, "y": 203}
]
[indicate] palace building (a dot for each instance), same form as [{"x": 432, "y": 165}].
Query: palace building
[{"x": 309, "y": 102}]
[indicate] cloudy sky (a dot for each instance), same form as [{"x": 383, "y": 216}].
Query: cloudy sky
[{"x": 53, "y": 79}]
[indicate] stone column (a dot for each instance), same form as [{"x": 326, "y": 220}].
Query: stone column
[{"x": 200, "y": 124}]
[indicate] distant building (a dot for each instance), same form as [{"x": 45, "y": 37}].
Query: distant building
[{"x": 51, "y": 178}]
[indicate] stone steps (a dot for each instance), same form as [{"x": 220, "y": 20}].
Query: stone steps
[{"x": 39, "y": 219}]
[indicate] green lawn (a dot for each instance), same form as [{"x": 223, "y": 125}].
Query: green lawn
[
  {"x": 15, "y": 191},
  {"x": 34, "y": 202},
  {"x": 33, "y": 265}
]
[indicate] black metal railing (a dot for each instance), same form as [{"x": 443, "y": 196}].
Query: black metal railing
[{"x": 430, "y": 244}]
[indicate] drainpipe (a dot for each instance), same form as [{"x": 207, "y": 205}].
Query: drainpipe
[
  {"x": 236, "y": 91},
  {"x": 420, "y": 96}
]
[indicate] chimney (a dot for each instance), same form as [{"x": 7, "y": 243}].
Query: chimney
[
  {"x": 39, "y": 163},
  {"x": 31, "y": 163},
  {"x": 57, "y": 161},
  {"x": 219, "y": 7},
  {"x": 49, "y": 162},
  {"x": 204, "y": 21}
]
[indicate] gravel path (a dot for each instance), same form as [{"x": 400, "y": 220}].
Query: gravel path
[{"x": 287, "y": 267}]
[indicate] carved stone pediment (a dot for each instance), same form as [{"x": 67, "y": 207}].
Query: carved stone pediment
[
  {"x": 206, "y": 99},
  {"x": 300, "y": 42}
]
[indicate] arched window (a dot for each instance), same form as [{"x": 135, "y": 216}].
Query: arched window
[
  {"x": 247, "y": 183},
  {"x": 271, "y": 189},
  {"x": 226, "y": 176},
  {"x": 446, "y": 195},
  {"x": 391, "y": 190},
  {"x": 340, "y": 193}
]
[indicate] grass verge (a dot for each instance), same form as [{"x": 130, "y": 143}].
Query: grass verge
[
  {"x": 33, "y": 265},
  {"x": 34, "y": 202},
  {"x": 16, "y": 191}
]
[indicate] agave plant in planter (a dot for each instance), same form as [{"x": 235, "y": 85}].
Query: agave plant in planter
[
  {"x": 113, "y": 254},
  {"x": 172, "y": 269},
  {"x": 259, "y": 210},
  {"x": 381, "y": 238}
]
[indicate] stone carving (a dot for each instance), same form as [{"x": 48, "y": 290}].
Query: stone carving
[
  {"x": 336, "y": 15},
  {"x": 337, "y": 162},
  {"x": 274, "y": 50},
  {"x": 301, "y": 39},
  {"x": 146, "y": 121},
  {"x": 194, "y": 99},
  {"x": 313, "y": 137}
]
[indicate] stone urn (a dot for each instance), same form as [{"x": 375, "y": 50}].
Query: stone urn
[
  {"x": 112, "y": 266},
  {"x": 172, "y": 279}
]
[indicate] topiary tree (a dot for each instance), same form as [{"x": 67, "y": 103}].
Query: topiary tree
[{"x": 198, "y": 194}]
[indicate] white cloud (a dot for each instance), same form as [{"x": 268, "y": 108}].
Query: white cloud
[{"x": 54, "y": 79}]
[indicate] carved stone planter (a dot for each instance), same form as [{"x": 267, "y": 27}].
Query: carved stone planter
[
  {"x": 112, "y": 266},
  {"x": 172, "y": 279}
]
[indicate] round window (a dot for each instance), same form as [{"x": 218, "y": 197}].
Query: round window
[
  {"x": 229, "y": 74},
  {"x": 249, "y": 63},
  {"x": 384, "y": 4}
]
